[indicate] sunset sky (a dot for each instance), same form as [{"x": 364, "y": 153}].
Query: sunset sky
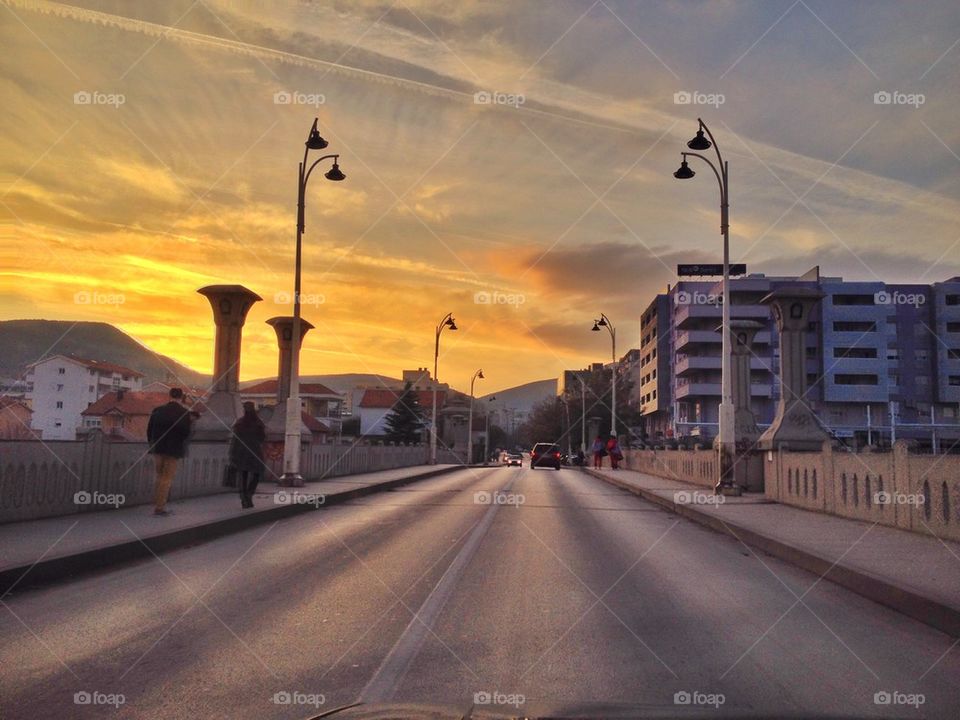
[{"x": 182, "y": 171}]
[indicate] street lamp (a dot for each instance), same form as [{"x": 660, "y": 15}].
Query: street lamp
[
  {"x": 447, "y": 322},
  {"x": 726, "y": 439},
  {"x": 291, "y": 444},
  {"x": 476, "y": 375},
  {"x": 583, "y": 414},
  {"x": 604, "y": 321},
  {"x": 486, "y": 433}
]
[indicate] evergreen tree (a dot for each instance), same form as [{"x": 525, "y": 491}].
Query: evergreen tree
[{"x": 405, "y": 421}]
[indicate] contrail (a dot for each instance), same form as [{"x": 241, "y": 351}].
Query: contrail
[{"x": 96, "y": 17}]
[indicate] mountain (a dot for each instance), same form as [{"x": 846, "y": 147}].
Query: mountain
[
  {"x": 25, "y": 341},
  {"x": 523, "y": 397},
  {"x": 341, "y": 383}
]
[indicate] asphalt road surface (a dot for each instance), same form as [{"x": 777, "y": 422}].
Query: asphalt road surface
[{"x": 564, "y": 593}]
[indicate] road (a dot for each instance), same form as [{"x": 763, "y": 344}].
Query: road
[{"x": 571, "y": 594}]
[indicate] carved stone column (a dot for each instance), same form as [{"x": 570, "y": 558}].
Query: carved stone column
[{"x": 795, "y": 425}]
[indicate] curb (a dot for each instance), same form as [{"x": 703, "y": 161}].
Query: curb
[
  {"x": 87, "y": 561},
  {"x": 945, "y": 618}
]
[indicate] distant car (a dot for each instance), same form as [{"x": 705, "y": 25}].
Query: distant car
[
  {"x": 513, "y": 459},
  {"x": 545, "y": 455}
]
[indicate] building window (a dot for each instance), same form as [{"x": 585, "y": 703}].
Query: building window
[
  {"x": 953, "y": 353},
  {"x": 91, "y": 388},
  {"x": 954, "y": 380},
  {"x": 854, "y": 326},
  {"x": 59, "y": 387},
  {"x": 952, "y": 299},
  {"x": 920, "y": 355},
  {"x": 847, "y": 299},
  {"x": 59, "y": 404},
  {"x": 953, "y": 327},
  {"x": 61, "y": 371},
  {"x": 853, "y": 352},
  {"x": 850, "y": 379}
]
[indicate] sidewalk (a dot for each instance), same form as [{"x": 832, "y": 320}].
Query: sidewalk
[
  {"x": 36, "y": 551},
  {"x": 917, "y": 575}
]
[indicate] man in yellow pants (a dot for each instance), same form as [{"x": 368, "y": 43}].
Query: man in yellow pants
[{"x": 167, "y": 432}]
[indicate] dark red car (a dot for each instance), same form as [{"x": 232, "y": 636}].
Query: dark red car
[{"x": 545, "y": 455}]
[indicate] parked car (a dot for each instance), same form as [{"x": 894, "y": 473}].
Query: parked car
[{"x": 545, "y": 455}]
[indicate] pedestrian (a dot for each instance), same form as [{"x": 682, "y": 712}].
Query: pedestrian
[
  {"x": 246, "y": 453},
  {"x": 599, "y": 450},
  {"x": 613, "y": 450},
  {"x": 168, "y": 432}
]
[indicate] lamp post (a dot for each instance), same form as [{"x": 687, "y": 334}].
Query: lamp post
[
  {"x": 486, "y": 433},
  {"x": 726, "y": 440},
  {"x": 291, "y": 442},
  {"x": 476, "y": 375},
  {"x": 447, "y": 322},
  {"x": 604, "y": 321},
  {"x": 583, "y": 414}
]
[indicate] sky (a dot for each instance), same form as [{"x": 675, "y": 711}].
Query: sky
[{"x": 510, "y": 162}]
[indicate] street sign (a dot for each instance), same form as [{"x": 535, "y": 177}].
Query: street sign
[{"x": 710, "y": 269}]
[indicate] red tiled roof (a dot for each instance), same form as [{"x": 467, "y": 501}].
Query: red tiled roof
[
  {"x": 100, "y": 365},
  {"x": 7, "y": 401},
  {"x": 383, "y": 398},
  {"x": 313, "y": 424},
  {"x": 269, "y": 387},
  {"x": 133, "y": 402}
]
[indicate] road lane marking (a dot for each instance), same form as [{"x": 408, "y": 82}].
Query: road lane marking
[{"x": 385, "y": 681}]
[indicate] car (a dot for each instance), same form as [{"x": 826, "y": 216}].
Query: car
[
  {"x": 545, "y": 455},
  {"x": 513, "y": 459}
]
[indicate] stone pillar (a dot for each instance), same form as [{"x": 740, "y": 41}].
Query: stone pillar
[
  {"x": 747, "y": 468},
  {"x": 275, "y": 417},
  {"x": 230, "y": 304},
  {"x": 795, "y": 426},
  {"x": 284, "y": 329}
]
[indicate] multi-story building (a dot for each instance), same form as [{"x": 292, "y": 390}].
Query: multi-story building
[
  {"x": 883, "y": 359},
  {"x": 61, "y": 387}
]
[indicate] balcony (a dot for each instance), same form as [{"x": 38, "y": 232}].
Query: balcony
[
  {"x": 697, "y": 389},
  {"x": 688, "y": 337}
]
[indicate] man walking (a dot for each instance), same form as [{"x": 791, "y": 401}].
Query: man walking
[{"x": 167, "y": 433}]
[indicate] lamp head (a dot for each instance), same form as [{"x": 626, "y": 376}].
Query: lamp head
[
  {"x": 596, "y": 327},
  {"x": 699, "y": 142},
  {"x": 684, "y": 172},
  {"x": 480, "y": 375},
  {"x": 314, "y": 141},
  {"x": 602, "y": 322},
  {"x": 451, "y": 323},
  {"x": 334, "y": 173}
]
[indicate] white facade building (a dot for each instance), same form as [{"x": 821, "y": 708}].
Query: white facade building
[{"x": 63, "y": 386}]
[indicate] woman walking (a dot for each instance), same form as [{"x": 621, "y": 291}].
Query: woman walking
[
  {"x": 613, "y": 450},
  {"x": 599, "y": 451},
  {"x": 246, "y": 453}
]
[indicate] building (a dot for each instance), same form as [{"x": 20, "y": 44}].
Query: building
[
  {"x": 15, "y": 417},
  {"x": 883, "y": 359},
  {"x": 123, "y": 414},
  {"x": 61, "y": 387},
  {"x": 316, "y": 400},
  {"x": 376, "y": 404}
]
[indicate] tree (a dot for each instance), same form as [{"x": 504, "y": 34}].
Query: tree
[{"x": 404, "y": 423}]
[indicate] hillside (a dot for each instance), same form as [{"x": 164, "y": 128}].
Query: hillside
[
  {"x": 25, "y": 341},
  {"x": 342, "y": 382},
  {"x": 524, "y": 397}
]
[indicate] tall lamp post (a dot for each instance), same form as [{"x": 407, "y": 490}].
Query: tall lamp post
[
  {"x": 486, "y": 434},
  {"x": 291, "y": 444},
  {"x": 447, "y": 322},
  {"x": 477, "y": 375},
  {"x": 583, "y": 414},
  {"x": 604, "y": 321},
  {"x": 726, "y": 440}
]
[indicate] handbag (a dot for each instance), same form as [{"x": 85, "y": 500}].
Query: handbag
[{"x": 229, "y": 477}]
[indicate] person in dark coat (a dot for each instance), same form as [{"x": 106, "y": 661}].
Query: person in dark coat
[
  {"x": 246, "y": 453},
  {"x": 168, "y": 432}
]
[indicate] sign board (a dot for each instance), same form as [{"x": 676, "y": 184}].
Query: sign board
[{"x": 710, "y": 269}]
